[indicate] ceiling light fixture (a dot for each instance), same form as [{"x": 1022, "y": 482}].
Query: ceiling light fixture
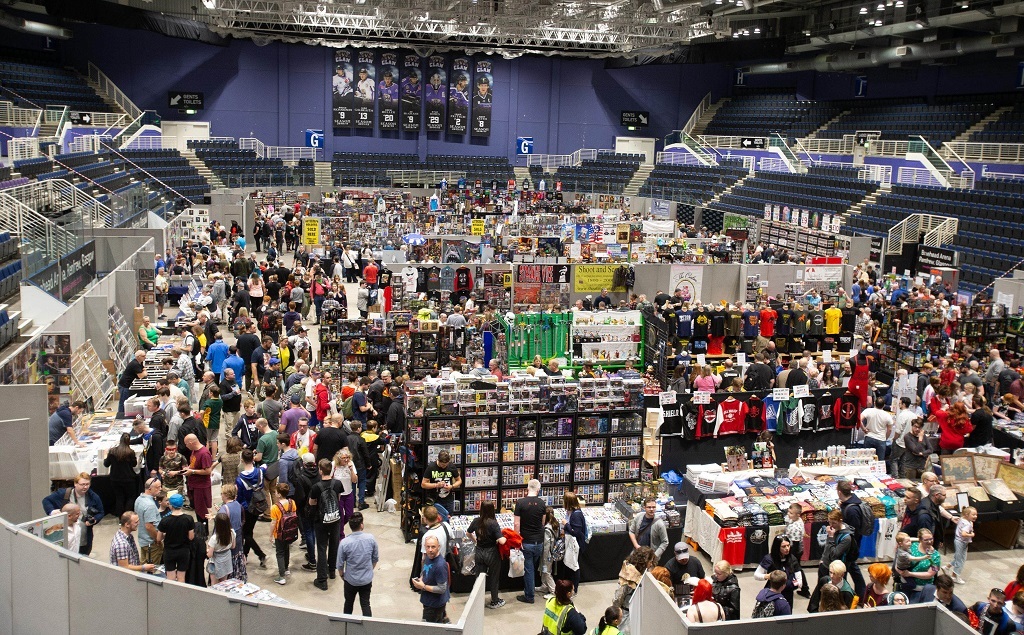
[
  {"x": 863, "y": 10},
  {"x": 757, "y": 29},
  {"x": 899, "y": 4},
  {"x": 880, "y": 7},
  {"x": 878, "y": 23}
]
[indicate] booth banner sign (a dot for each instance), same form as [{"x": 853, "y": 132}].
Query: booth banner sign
[
  {"x": 547, "y": 274},
  {"x": 661, "y": 209},
  {"x": 77, "y": 270},
  {"x": 688, "y": 278},
  {"x": 310, "y": 231},
  {"x": 667, "y": 227},
  {"x": 738, "y": 221},
  {"x": 767, "y": 212},
  {"x": 477, "y": 226},
  {"x": 593, "y": 278},
  {"x": 49, "y": 279},
  {"x": 823, "y": 274},
  {"x": 935, "y": 257}
]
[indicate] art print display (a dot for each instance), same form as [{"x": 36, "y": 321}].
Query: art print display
[{"x": 388, "y": 93}]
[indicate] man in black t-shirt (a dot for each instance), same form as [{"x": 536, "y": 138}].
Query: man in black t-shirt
[
  {"x": 134, "y": 370},
  {"x": 439, "y": 479},
  {"x": 260, "y": 359},
  {"x": 330, "y": 439},
  {"x": 529, "y": 523},
  {"x": 326, "y": 529},
  {"x": 684, "y": 571}
]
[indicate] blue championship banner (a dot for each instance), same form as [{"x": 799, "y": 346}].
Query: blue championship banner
[
  {"x": 412, "y": 93},
  {"x": 365, "y": 88},
  {"x": 342, "y": 90},
  {"x": 387, "y": 93},
  {"x": 458, "y": 96},
  {"x": 436, "y": 93},
  {"x": 483, "y": 84}
]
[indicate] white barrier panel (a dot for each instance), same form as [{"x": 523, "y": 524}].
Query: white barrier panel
[
  {"x": 658, "y": 611},
  {"x": 176, "y": 608},
  {"x": 40, "y": 587},
  {"x": 6, "y": 581},
  {"x": 87, "y": 577},
  {"x": 274, "y": 619}
]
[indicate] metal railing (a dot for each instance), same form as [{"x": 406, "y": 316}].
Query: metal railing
[
  {"x": 677, "y": 158},
  {"x": 918, "y": 176},
  {"x": 888, "y": 148},
  {"x": 698, "y": 113},
  {"x": 878, "y": 173},
  {"x": 152, "y": 142},
  {"x": 731, "y": 142},
  {"x": 909, "y": 230},
  {"x": 801, "y": 148},
  {"x": 55, "y": 115},
  {"x": 431, "y": 177},
  {"x": 547, "y": 161},
  {"x": 106, "y": 120},
  {"x": 942, "y": 233},
  {"x": 996, "y": 152},
  {"x": 789, "y": 157},
  {"x": 828, "y": 146},
  {"x": 11, "y": 115},
  {"x": 21, "y": 148},
  {"x": 99, "y": 214},
  {"x": 292, "y": 153},
  {"x": 111, "y": 90},
  {"x": 773, "y": 164},
  {"x": 251, "y": 143},
  {"x": 42, "y": 241},
  {"x": 987, "y": 174},
  {"x": 702, "y": 153}
]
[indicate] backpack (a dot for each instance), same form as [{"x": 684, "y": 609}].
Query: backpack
[
  {"x": 867, "y": 520},
  {"x": 328, "y": 504},
  {"x": 347, "y": 407},
  {"x": 557, "y": 547},
  {"x": 258, "y": 503},
  {"x": 451, "y": 551},
  {"x": 288, "y": 527},
  {"x": 763, "y": 609}
]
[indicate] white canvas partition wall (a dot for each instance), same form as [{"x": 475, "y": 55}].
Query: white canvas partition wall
[
  {"x": 24, "y": 453},
  {"x": 39, "y": 579},
  {"x": 274, "y": 619},
  {"x": 657, "y": 612},
  {"x": 85, "y": 576},
  {"x": 6, "y": 580}
]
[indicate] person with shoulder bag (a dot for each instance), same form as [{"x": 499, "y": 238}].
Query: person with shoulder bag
[
  {"x": 486, "y": 533},
  {"x": 253, "y": 499}
]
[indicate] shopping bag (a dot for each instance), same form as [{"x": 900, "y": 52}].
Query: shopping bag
[
  {"x": 572, "y": 553},
  {"x": 516, "y": 564},
  {"x": 468, "y": 553}
]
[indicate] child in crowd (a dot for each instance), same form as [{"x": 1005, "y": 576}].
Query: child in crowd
[
  {"x": 552, "y": 530},
  {"x": 963, "y": 537},
  {"x": 904, "y": 560},
  {"x": 219, "y": 548},
  {"x": 282, "y": 546},
  {"x": 211, "y": 409},
  {"x": 229, "y": 459},
  {"x": 795, "y": 531},
  {"x": 162, "y": 505}
]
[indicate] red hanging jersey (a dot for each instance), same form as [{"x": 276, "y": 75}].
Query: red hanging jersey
[
  {"x": 730, "y": 417},
  {"x": 768, "y": 319}
]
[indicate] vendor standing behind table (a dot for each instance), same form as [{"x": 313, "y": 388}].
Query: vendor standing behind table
[
  {"x": 439, "y": 479},
  {"x": 645, "y": 530},
  {"x": 685, "y": 572}
]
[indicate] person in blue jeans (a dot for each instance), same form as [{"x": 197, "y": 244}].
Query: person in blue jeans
[{"x": 529, "y": 523}]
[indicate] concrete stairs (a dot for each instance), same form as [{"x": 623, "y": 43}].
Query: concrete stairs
[
  {"x": 718, "y": 197},
  {"x": 981, "y": 125},
  {"x": 858, "y": 207},
  {"x": 709, "y": 114},
  {"x": 522, "y": 174},
  {"x": 205, "y": 172},
  {"x": 114, "y": 106},
  {"x": 48, "y": 129},
  {"x": 639, "y": 178},
  {"x": 322, "y": 174},
  {"x": 828, "y": 123}
]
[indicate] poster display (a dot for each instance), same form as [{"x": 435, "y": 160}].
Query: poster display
[
  {"x": 688, "y": 279},
  {"x": 342, "y": 89},
  {"x": 310, "y": 231},
  {"x": 436, "y": 94},
  {"x": 458, "y": 96},
  {"x": 365, "y": 89},
  {"x": 593, "y": 278},
  {"x": 482, "y": 99},
  {"x": 412, "y": 93},
  {"x": 387, "y": 93},
  {"x": 52, "y": 529}
]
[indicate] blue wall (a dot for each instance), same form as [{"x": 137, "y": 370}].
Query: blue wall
[{"x": 275, "y": 92}]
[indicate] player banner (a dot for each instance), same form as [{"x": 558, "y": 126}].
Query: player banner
[
  {"x": 458, "y": 96},
  {"x": 436, "y": 93},
  {"x": 387, "y": 93},
  {"x": 342, "y": 90},
  {"x": 365, "y": 87},
  {"x": 482, "y": 98},
  {"x": 412, "y": 93}
]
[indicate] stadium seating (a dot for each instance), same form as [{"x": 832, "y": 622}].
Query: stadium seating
[
  {"x": 8, "y": 326},
  {"x": 35, "y": 85},
  {"x": 762, "y": 114},
  {"x": 1009, "y": 128},
  {"x": 691, "y": 183},
  {"x": 13, "y": 183},
  {"x": 939, "y": 121},
  {"x": 370, "y": 169},
  {"x": 10, "y": 274},
  {"x": 167, "y": 170},
  {"x": 608, "y": 173},
  {"x": 240, "y": 168}
]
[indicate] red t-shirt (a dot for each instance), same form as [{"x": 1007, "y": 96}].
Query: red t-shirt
[
  {"x": 734, "y": 544},
  {"x": 201, "y": 459},
  {"x": 768, "y": 318},
  {"x": 370, "y": 274}
]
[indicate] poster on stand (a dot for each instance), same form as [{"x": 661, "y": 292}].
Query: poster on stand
[
  {"x": 342, "y": 90},
  {"x": 436, "y": 93},
  {"x": 52, "y": 529},
  {"x": 458, "y": 96},
  {"x": 688, "y": 279},
  {"x": 483, "y": 83},
  {"x": 365, "y": 90},
  {"x": 387, "y": 93},
  {"x": 412, "y": 93}
]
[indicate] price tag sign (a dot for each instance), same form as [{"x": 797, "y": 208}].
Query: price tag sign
[
  {"x": 393, "y": 357},
  {"x": 701, "y": 397},
  {"x": 802, "y": 391},
  {"x": 667, "y": 398},
  {"x": 826, "y": 356},
  {"x": 741, "y": 358},
  {"x": 700, "y": 359},
  {"x": 780, "y": 394}
]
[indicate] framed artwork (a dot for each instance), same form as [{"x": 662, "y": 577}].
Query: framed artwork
[
  {"x": 1013, "y": 476},
  {"x": 957, "y": 469},
  {"x": 986, "y": 467},
  {"x": 998, "y": 488}
]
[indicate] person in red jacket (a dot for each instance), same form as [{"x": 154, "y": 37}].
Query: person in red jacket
[{"x": 323, "y": 397}]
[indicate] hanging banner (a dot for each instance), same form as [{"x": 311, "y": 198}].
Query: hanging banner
[
  {"x": 77, "y": 271},
  {"x": 412, "y": 93},
  {"x": 660, "y": 209},
  {"x": 342, "y": 89},
  {"x": 593, "y": 278},
  {"x": 823, "y": 274},
  {"x": 365, "y": 87},
  {"x": 482, "y": 96},
  {"x": 547, "y": 274},
  {"x": 688, "y": 279},
  {"x": 436, "y": 94},
  {"x": 589, "y": 234},
  {"x": 387, "y": 93},
  {"x": 458, "y": 96},
  {"x": 310, "y": 231}
]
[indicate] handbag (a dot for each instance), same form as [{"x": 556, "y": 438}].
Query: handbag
[{"x": 572, "y": 553}]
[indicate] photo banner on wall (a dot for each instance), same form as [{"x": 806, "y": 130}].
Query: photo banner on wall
[
  {"x": 412, "y": 93},
  {"x": 342, "y": 89},
  {"x": 458, "y": 96},
  {"x": 436, "y": 93},
  {"x": 688, "y": 279},
  {"x": 387, "y": 93},
  {"x": 482, "y": 99},
  {"x": 365, "y": 88}
]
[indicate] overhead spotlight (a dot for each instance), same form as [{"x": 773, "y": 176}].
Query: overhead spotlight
[
  {"x": 920, "y": 24},
  {"x": 757, "y": 29},
  {"x": 863, "y": 10},
  {"x": 878, "y": 23},
  {"x": 899, "y": 4},
  {"x": 735, "y": 34},
  {"x": 718, "y": 1},
  {"x": 880, "y": 7},
  {"x": 965, "y": 5},
  {"x": 210, "y": 4},
  {"x": 807, "y": 33}
]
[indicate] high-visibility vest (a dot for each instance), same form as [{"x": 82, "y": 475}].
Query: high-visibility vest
[{"x": 554, "y": 617}]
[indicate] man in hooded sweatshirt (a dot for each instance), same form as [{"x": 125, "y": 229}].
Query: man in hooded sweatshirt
[{"x": 770, "y": 602}]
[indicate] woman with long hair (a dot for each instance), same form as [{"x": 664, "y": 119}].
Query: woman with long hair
[
  {"x": 830, "y": 599},
  {"x": 981, "y": 419},
  {"x": 705, "y": 380},
  {"x": 954, "y": 425},
  {"x": 219, "y": 548},
  {"x": 876, "y": 592},
  {"x": 345, "y": 472},
  {"x": 575, "y": 526},
  {"x": 486, "y": 533},
  {"x": 782, "y": 558},
  {"x": 121, "y": 460},
  {"x": 552, "y": 531}
]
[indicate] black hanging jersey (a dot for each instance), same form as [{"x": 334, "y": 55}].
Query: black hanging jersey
[
  {"x": 799, "y": 323},
  {"x": 463, "y": 279},
  {"x": 844, "y": 342},
  {"x": 734, "y": 327},
  {"x": 673, "y": 423},
  {"x": 785, "y": 324},
  {"x": 847, "y": 411},
  {"x": 685, "y": 328},
  {"x": 718, "y": 324},
  {"x": 701, "y": 324},
  {"x": 421, "y": 279},
  {"x": 699, "y": 346},
  {"x": 826, "y": 410},
  {"x": 689, "y": 412},
  {"x": 754, "y": 422},
  {"x": 848, "y": 322},
  {"x": 707, "y": 415},
  {"x": 815, "y": 323},
  {"x": 810, "y": 415}
]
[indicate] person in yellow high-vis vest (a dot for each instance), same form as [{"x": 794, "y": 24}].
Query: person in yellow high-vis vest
[
  {"x": 560, "y": 616},
  {"x": 609, "y": 624}
]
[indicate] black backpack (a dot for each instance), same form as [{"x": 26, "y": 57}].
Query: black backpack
[{"x": 328, "y": 504}]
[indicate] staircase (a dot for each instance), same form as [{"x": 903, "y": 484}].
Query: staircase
[
  {"x": 322, "y": 176},
  {"x": 828, "y": 123},
  {"x": 522, "y": 174},
  {"x": 706, "y": 118},
  {"x": 639, "y": 178},
  {"x": 205, "y": 172},
  {"x": 718, "y": 197},
  {"x": 107, "y": 99},
  {"x": 858, "y": 207},
  {"x": 981, "y": 125}
]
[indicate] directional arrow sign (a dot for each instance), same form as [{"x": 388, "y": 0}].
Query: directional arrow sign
[
  {"x": 747, "y": 143},
  {"x": 634, "y": 118},
  {"x": 752, "y": 142},
  {"x": 86, "y": 118},
  {"x": 643, "y": 119},
  {"x": 175, "y": 100},
  {"x": 185, "y": 99}
]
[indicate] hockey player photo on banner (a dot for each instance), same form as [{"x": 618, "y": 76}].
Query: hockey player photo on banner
[
  {"x": 436, "y": 93},
  {"x": 365, "y": 88},
  {"x": 387, "y": 93},
  {"x": 483, "y": 83},
  {"x": 458, "y": 96},
  {"x": 342, "y": 89},
  {"x": 412, "y": 93}
]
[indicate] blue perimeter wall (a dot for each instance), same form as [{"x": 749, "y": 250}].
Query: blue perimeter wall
[{"x": 275, "y": 92}]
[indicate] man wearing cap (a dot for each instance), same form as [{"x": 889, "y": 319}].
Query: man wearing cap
[
  {"x": 684, "y": 570},
  {"x": 291, "y": 416},
  {"x": 300, "y": 340}
]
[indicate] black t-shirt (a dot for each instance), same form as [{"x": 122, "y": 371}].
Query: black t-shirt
[
  {"x": 175, "y": 530},
  {"x": 848, "y": 321},
  {"x": 328, "y": 442},
  {"x": 531, "y": 519},
  {"x": 701, "y": 324},
  {"x": 676, "y": 569},
  {"x": 487, "y": 535},
  {"x": 319, "y": 487},
  {"x": 718, "y": 324},
  {"x": 438, "y": 474},
  {"x": 247, "y": 343},
  {"x": 259, "y": 358},
  {"x": 131, "y": 373},
  {"x": 815, "y": 323}
]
